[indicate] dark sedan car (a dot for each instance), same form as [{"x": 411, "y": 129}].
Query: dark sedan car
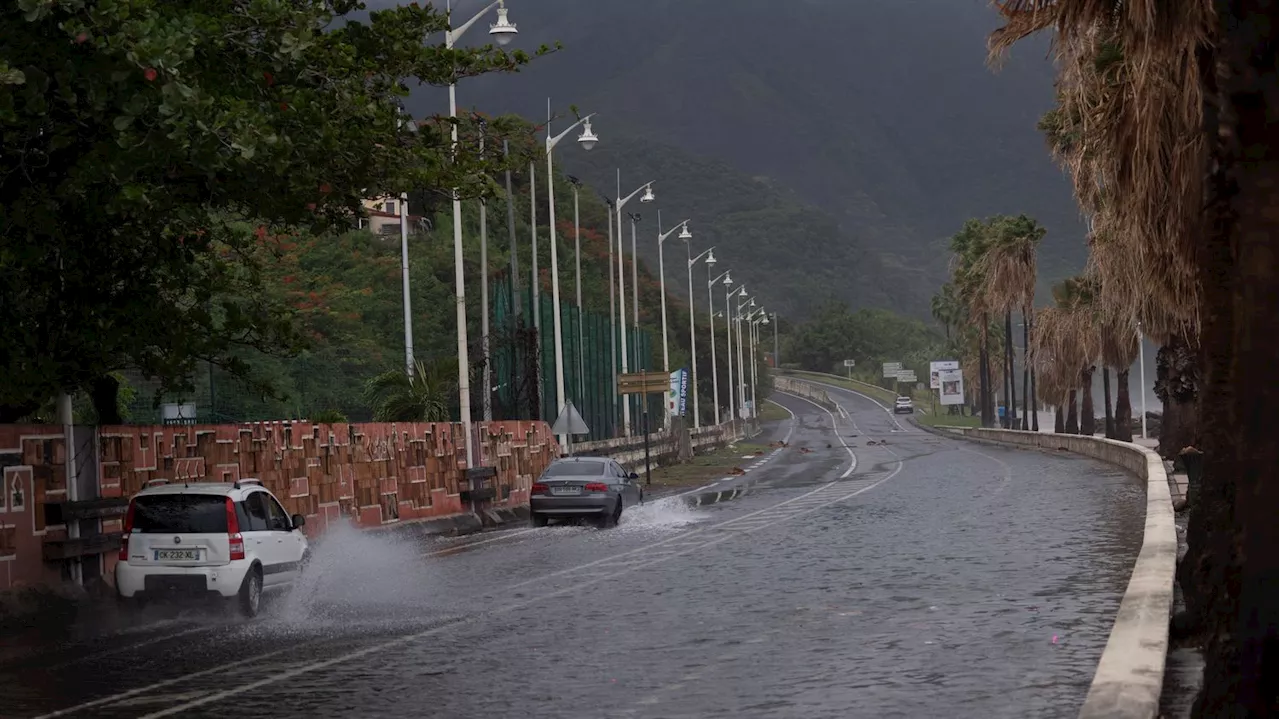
[{"x": 595, "y": 488}]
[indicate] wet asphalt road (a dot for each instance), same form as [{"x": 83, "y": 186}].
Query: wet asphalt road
[{"x": 926, "y": 578}]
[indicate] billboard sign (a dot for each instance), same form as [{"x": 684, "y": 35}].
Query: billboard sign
[
  {"x": 938, "y": 366},
  {"x": 677, "y": 395},
  {"x": 951, "y": 386}
]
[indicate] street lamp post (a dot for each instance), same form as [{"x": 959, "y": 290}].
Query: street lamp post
[
  {"x": 709, "y": 253},
  {"x": 742, "y": 373},
  {"x": 503, "y": 32},
  {"x": 755, "y": 371},
  {"x": 622, "y": 291},
  {"x": 711, "y": 320},
  {"x": 613, "y": 322},
  {"x": 662, "y": 282},
  {"x": 588, "y": 140},
  {"x": 411, "y": 127},
  {"x": 728, "y": 334},
  {"x": 1142, "y": 379},
  {"x": 486, "y": 382},
  {"x": 577, "y": 262}
]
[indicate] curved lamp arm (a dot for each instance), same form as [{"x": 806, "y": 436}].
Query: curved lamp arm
[
  {"x": 623, "y": 200},
  {"x": 705, "y": 252},
  {"x": 665, "y": 235},
  {"x": 552, "y": 141},
  {"x": 451, "y": 36}
]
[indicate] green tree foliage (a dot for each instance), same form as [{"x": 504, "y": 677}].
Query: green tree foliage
[
  {"x": 154, "y": 155},
  {"x": 424, "y": 397},
  {"x": 868, "y": 336}
]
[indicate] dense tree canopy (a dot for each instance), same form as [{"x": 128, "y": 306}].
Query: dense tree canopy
[
  {"x": 153, "y": 154},
  {"x": 867, "y": 336}
]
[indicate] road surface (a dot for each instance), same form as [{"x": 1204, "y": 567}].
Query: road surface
[{"x": 923, "y": 577}]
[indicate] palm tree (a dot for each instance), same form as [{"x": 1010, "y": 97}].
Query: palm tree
[
  {"x": 1076, "y": 297},
  {"x": 426, "y": 396},
  {"x": 1186, "y": 150},
  {"x": 1007, "y": 268},
  {"x": 945, "y": 307},
  {"x": 1119, "y": 350}
]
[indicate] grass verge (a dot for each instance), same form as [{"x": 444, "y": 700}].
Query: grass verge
[
  {"x": 948, "y": 420},
  {"x": 770, "y": 412},
  {"x": 705, "y": 467}
]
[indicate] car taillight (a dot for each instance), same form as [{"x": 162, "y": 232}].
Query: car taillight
[
  {"x": 538, "y": 488},
  {"x": 235, "y": 542},
  {"x": 597, "y": 487},
  {"x": 124, "y": 537}
]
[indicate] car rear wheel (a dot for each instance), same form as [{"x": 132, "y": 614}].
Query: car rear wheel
[
  {"x": 610, "y": 518},
  {"x": 250, "y": 597},
  {"x": 537, "y": 520}
]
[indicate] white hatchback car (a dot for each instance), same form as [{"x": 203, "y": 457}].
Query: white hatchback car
[
  {"x": 903, "y": 405},
  {"x": 228, "y": 540}
]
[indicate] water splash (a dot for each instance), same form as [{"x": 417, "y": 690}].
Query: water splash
[
  {"x": 358, "y": 576},
  {"x": 660, "y": 514}
]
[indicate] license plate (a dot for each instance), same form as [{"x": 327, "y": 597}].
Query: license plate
[
  {"x": 177, "y": 555},
  {"x": 566, "y": 490}
]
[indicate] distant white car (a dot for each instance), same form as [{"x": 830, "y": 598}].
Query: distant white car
[
  {"x": 207, "y": 539},
  {"x": 903, "y": 405}
]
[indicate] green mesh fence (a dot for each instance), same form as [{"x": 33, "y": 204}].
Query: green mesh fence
[{"x": 524, "y": 361}]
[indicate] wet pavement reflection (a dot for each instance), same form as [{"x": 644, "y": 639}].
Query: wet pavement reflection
[{"x": 936, "y": 579}]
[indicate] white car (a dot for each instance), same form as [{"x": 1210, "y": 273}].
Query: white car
[
  {"x": 210, "y": 539},
  {"x": 902, "y": 405}
]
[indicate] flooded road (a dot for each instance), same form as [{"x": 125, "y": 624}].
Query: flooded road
[{"x": 924, "y": 577}]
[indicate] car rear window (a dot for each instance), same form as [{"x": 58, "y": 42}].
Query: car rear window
[
  {"x": 576, "y": 469},
  {"x": 180, "y": 513}
]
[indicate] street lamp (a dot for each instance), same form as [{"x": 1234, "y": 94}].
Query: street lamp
[
  {"x": 742, "y": 373},
  {"x": 662, "y": 281},
  {"x": 588, "y": 140},
  {"x": 755, "y": 376},
  {"x": 613, "y": 321},
  {"x": 577, "y": 262},
  {"x": 710, "y": 254},
  {"x": 711, "y": 320},
  {"x": 647, "y": 188},
  {"x": 503, "y": 32},
  {"x": 410, "y": 127}
]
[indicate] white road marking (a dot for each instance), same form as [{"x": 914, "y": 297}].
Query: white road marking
[
  {"x": 835, "y": 497},
  {"x": 458, "y": 547},
  {"x": 835, "y": 427}
]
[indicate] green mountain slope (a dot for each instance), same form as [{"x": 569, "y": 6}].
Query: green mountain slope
[{"x": 881, "y": 112}]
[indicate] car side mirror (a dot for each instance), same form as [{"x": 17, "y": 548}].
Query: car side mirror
[
  {"x": 633, "y": 475},
  {"x": 298, "y": 521}
]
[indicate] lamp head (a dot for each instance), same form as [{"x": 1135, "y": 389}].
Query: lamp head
[
  {"x": 685, "y": 234},
  {"x": 728, "y": 281},
  {"x": 648, "y": 195},
  {"x": 742, "y": 292},
  {"x": 503, "y": 31},
  {"x": 711, "y": 258},
  {"x": 588, "y": 138}
]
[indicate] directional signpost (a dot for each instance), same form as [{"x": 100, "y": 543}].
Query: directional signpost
[
  {"x": 645, "y": 383},
  {"x": 849, "y": 365},
  {"x": 889, "y": 370}
]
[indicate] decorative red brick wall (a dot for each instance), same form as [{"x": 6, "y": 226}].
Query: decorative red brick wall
[
  {"x": 371, "y": 474},
  {"x": 33, "y": 472}
]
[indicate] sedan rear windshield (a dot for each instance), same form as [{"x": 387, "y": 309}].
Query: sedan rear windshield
[
  {"x": 576, "y": 469},
  {"x": 180, "y": 514}
]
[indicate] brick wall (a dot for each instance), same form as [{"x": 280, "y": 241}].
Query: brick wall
[
  {"x": 33, "y": 472},
  {"x": 371, "y": 474}
]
